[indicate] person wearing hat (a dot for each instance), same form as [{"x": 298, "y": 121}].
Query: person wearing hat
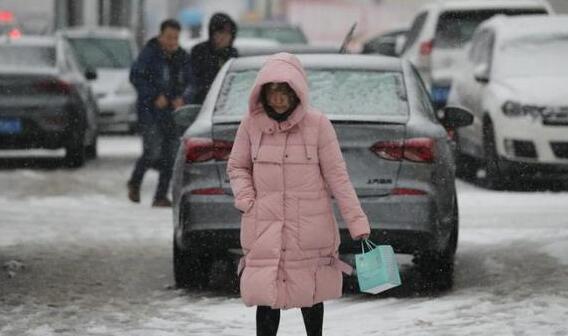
[{"x": 208, "y": 57}]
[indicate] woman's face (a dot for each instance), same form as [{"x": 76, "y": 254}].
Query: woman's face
[{"x": 279, "y": 97}]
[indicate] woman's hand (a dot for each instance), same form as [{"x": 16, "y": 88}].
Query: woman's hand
[{"x": 363, "y": 236}]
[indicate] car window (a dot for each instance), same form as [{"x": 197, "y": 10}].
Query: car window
[
  {"x": 102, "y": 52},
  {"x": 336, "y": 92},
  {"x": 455, "y": 28},
  {"x": 27, "y": 56},
  {"x": 414, "y": 31},
  {"x": 69, "y": 57},
  {"x": 423, "y": 95}
]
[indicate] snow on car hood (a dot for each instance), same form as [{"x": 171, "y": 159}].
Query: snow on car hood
[
  {"x": 109, "y": 80},
  {"x": 550, "y": 91}
]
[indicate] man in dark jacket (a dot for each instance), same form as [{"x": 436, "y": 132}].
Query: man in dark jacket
[
  {"x": 160, "y": 75},
  {"x": 208, "y": 57}
]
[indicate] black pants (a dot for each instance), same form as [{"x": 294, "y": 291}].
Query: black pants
[
  {"x": 159, "y": 143},
  {"x": 268, "y": 319}
]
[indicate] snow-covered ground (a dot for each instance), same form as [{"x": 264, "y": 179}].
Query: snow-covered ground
[{"x": 79, "y": 259}]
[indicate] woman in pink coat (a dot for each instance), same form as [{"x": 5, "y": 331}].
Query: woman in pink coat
[{"x": 284, "y": 167}]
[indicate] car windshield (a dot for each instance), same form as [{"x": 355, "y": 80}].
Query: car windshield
[
  {"x": 284, "y": 35},
  {"x": 336, "y": 92},
  {"x": 455, "y": 28},
  {"x": 543, "y": 55},
  {"x": 28, "y": 56},
  {"x": 102, "y": 52}
]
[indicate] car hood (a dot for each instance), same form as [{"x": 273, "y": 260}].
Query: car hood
[
  {"x": 109, "y": 80},
  {"x": 536, "y": 90}
]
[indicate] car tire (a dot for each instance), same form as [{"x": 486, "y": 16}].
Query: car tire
[
  {"x": 91, "y": 150},
  {"x": 438, "y": 267},
  {"x": 75, "y": 151},
  {"x": 493, "y": 176},
  {"x": 191, "y": 270}
]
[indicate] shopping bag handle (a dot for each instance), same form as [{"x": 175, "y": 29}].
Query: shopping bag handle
[{"x": 370, "y": 245}]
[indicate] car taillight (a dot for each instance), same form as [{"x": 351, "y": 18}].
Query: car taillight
[
  {"x": 204, "y": 149},
  {"x": 53, "y": 86},
  {"x": 426, "y": 48},
  {"x": 15, "y": 33},
  {"x": 416, "y": 150},
  {"x": 208, "y": 191}
]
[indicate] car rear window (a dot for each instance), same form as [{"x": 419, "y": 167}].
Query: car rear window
[
  {"x": 29, "y": 56},
  {"x": 102, "y": 52},
  {"x": 455, "y": 28},
  {"x": 336, "y": 92}
]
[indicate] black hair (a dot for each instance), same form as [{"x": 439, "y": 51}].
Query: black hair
[
  {"x": 169, "y": 23},
  {"x": 219, "y": 21}
]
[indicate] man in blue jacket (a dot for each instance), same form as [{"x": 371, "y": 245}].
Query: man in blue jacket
[{"x": 160, "y": 75}]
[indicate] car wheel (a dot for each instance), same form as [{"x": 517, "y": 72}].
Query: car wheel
[
  {"x": 438, "y": 267},
  {"x": 493, "y": 178},
  {"x": 91, "y": 150},
  {"x": 75, "y": 153},
  {"x": 191, "y": 270}
]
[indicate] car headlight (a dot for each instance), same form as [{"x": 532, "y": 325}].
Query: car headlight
[
  {"x": 512, "y": 109},
  {"x": 125, "y": 89}
]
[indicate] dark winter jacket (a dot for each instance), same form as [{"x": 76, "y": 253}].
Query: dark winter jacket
[
  {"x": 155, "y": 73},
  {"x": 206, "y": 61}
]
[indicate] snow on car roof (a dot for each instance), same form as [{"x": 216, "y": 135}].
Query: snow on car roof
[
  {"x": 487, "y": 4},
  {"x": 343, "y": 61},
  {"x": 528, "y": 25}
]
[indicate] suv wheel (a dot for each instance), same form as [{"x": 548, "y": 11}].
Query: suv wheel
[
  {"x": 75, "y": 153},
  {"x": 191, "y": 269},
  {"x": 91, "y": 150}
]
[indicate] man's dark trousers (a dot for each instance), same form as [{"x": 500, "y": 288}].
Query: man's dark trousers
[{"x": 159, "y": 143}]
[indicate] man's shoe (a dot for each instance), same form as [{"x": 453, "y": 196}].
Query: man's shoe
[
  {"x": 162, "y": 203},
  {"x": 133, "y": 193}
]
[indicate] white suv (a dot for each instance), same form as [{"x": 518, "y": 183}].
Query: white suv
[
  {"x": 514, "y": 82},
  {"x": 440, "y": 30}
]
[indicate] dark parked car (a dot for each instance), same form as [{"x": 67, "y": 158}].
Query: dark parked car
[
  {"x": 45, "y": 101},
  {"x": 389, "y": 43},
  {"x": 399, "y": 157}
]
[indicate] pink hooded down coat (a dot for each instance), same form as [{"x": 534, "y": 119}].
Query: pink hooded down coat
[{"x": 283, "y": 176}]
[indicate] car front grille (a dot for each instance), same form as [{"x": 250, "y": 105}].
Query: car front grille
[
  {"x": 560, "y": 149},
  {"x": 525, "y": 149}
]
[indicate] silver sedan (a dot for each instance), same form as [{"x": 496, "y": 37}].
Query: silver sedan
[{"x": 398, "y": 153}]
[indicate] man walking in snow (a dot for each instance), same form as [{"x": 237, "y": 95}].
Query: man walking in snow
[
  {"x": 208, "y": 57},
  {"x": 160, "y": 75}
]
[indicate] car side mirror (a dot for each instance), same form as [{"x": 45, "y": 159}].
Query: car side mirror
[
  {"x": 452, "y": 117},
  {"x": 91, "y": 74},
  {"x": 481, "y": 73},
  {"x": 185, "y": 116}
]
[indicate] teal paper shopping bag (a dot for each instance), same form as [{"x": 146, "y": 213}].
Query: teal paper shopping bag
[{"x": 377, "y": 269}]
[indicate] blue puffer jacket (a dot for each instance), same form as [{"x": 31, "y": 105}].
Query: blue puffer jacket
[{"x": 154, "y": 73}]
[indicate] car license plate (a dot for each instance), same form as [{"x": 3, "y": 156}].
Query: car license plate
[{"x": 10, "y": 126}]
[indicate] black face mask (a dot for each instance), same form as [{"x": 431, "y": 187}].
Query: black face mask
[{"x": 280, "y": 117}]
